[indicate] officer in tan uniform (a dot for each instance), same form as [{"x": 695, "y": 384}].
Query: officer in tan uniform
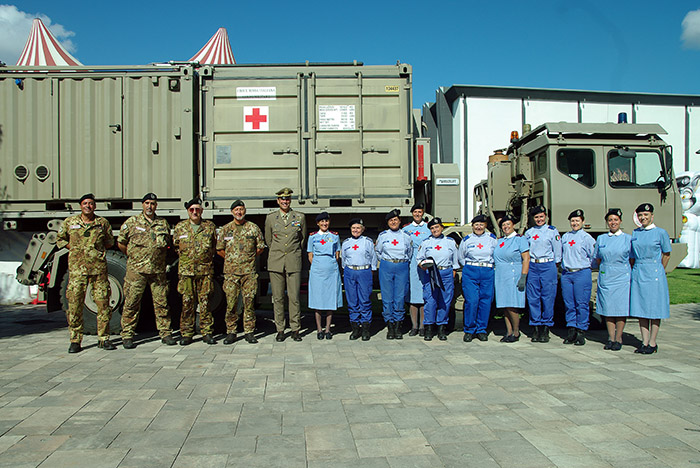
[
  {"x": 239, "y": 242},
  {"x": 285, "y": 232},
  {"x": 144, "y": 238},
  {"x": 194, "y": 240},
  {"x": 87, "y": 237}
]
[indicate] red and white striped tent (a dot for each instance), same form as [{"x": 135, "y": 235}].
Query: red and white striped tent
[
  {"x": 42, "y": 48},
  {"x": 217, "y": 51}
]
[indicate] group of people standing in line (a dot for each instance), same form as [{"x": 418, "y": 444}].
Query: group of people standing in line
[{"x": 416, "y": 264}]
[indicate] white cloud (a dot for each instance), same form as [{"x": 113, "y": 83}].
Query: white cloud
[
  {"x": 14, "y": 31},
  {"x": 691, "y": 30}
]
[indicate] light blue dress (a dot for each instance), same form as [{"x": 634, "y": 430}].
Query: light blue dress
[
  {"x": 649, "y": 291},
  {"x": 509, "y": 265},
  {"x": 325, "y": 286},
  {"x": 418, "y": 233},
  {"x": 613, "y": 293}
]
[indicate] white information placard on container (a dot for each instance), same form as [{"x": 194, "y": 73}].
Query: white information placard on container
[
  {"x": 341, "y": 117},
  {"x": 259, "y": 93}
]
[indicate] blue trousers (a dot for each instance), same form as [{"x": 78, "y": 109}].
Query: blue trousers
[
  {"x": 393, "y": 283},
  {"x": 438, "y": 301},
  {"x": 358, "y": 288},
  {"x": 576, "y": 291},
  {"x": 541, "y": 292},
  {"x": 477, "y": 287}
]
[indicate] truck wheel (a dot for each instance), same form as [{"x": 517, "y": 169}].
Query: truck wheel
[{"x": 116, "y": 269}]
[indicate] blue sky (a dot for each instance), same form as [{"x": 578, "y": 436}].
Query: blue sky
[{"x": 594, "y": 45}]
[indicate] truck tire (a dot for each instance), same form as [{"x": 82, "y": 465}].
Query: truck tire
[{"x": 116, "y": 269}]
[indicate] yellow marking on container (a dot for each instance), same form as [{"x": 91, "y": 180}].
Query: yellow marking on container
[{"x": 391, "y": 88}]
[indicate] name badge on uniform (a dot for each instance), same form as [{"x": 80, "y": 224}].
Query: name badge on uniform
[
  {"x": 75, "y": 226},
  {"x": 140, "y": 228},
  {"x": 184, "y": 236}
]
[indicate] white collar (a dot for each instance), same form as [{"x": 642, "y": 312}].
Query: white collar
[
  {"x": 414, "y": 223},
  {"x": 618, "y": 233},
  {"x": 650, "y": 227},
  {"x": 511, "y": 235}
]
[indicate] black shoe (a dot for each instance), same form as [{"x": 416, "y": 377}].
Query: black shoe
[
  {"x": 536, "y": 335},
  {"x": 128, "y": 343},
  {"x": 398, "y": 335},
  {"x": 442, "y": 332},
  {"x": 468, "y": 337},
  {"x": 608, "y": 345},
  {"x": 641, "y": 350},
  {"x": 279, "y": 338},
  {"x": 580, "y": 338},
  {"x": 186, "y": 340},
  {"x": 296, "y": 336},
  {"x": 168, "y": 340},
  {"x": 320, "y": 335},
  {"x": 544, "y": 336},
  {"x": 616, "y": 346},
  {"x": 413, "y": 332},
  {"x": 208, "y": 339},
  {"x": 482, "y": 336},
  {"x": 514, "y": 338},
  {"x": 329, "y": 335},
  {"x": 365, "y": 331},
  {"x": 356, "y": 332},
  {"x": 505, "y": 339},
  {"x": 74, "y": 348},
  {"x": 421, "y": 331},
  {"x": 231, "y": 338},
  {"x": 570, "y": 336},
  {"x": 428, "y": 332},
  {"x": 106, "y": 345},
  {"x": 652, "y": 349},
  {"x": 390, "y": 330},
  {"x": 250, "y": 338}
]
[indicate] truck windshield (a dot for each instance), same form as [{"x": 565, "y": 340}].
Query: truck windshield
[{"x": 642, "y": 169}]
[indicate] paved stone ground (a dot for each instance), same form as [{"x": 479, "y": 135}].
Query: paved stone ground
[{"x": 347, "y": 404}]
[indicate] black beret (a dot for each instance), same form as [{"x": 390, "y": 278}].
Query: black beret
[
  {"x": 478, "y": 219},
  {"x": 504, "y": 219},
  {"x": 392, "y": 214},
  {"x": 356, "y": 221},
  {"x": 535, "y": 210},
  {"x": 434, "y": 221},
  {"x": 149, "y": 196},
  {"x": 322, "y": 215},
  {"x": 614, "y": 211},
  {"x": 576, "y": 214},
  {"x": 86, "y": 197},
  {"x": 236, "y": 204},
  {"x": 417, "y": 206},
  {"x": 194, "y": 201},
  {"x": 645, "y": 207}
]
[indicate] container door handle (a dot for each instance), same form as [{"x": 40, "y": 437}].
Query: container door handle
[{"x": 116, "y": 128}]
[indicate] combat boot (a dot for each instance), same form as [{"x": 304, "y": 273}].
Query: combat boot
[
  {"x": 106, "y": 345},
  {"x": 230, "y": 338},
  {"x": 427, "y": 332},
  {"x": 397, "y": 330},
  {"x": 365, "y": 331},
  {"x": 355, "y": 330},
  {"x": 168, "y": 340},
  {"x": 74, "y": 348},
  {"x": 208, "y": 339},
  {"x": 580, "y": 338},
  {"x": 544, "y": 335},
  {"x": 250, "y": 338},
  {"x": 536, "y": 334},
  {"x": 442, "y": 332},
  {"x": 186, "y": 341},
  {"x": 128, "y": 343},
  {"x": 390, "y": 330},
  {"x": 571, "y": 336}
]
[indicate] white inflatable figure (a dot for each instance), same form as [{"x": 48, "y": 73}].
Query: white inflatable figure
[{"x": 689, "y": 187}]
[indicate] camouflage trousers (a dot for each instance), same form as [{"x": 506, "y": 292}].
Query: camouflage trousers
[
  {"x": 134, "y": 286},
  {"x": 195, "y": 289},
  {"x": 77, "y": 287},
  {"x": 245, "y": 286}
]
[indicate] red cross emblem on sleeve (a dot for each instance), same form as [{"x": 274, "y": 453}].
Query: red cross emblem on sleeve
[
  {"x": 394, "y": 242},
  {"x": 571, "y": 242},
  {"x": 536, "y": 236},
  {"x": 355, "y": 247},
  {"x": 255, "y": 118}
]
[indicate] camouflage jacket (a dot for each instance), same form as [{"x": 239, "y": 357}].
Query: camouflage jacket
[
  {"x": 147, "y": 243},
  {"x": 196, "y": 249},
  {"x": 87, "y": 244},
  {"x": 240, "y": 244}
]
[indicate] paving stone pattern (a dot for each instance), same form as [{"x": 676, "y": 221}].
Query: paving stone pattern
[{"x": 342, "y": 403}]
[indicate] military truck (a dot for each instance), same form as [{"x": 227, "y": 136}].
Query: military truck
[{"x": 342, "y": 136}]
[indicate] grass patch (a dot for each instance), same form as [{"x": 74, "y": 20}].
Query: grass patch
[{"x": 684, "y": 286}]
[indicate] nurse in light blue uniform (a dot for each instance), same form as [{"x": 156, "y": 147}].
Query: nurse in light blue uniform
[
  {"x": 476, "y": 258},
  {"x": 578, "y": 248},
  {"x": 512, "y": 263},
  {"x": 649, "y": 300},
  {"x": 359, "y": 259},
  {"x": 394, "y": 249},
  {"x": 418, "y": 230},
  {"x": 325, "y": 287},
  {"x": 612, "y": 250},
  {"x": 545, "y": 254},
  {"x": 440, "y": 254}
]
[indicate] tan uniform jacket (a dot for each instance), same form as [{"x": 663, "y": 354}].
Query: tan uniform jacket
[
  {"x": 285, "y": 240},
  {"x": 88, "y": 244},
  {"x": 240, "y": 244},
  {"x": 147, "y": 243},
  {"x": 196, "y": 249}
]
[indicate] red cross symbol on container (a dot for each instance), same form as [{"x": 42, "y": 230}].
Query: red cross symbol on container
[
  {"x": 536, "y": 236},
  {"x": 256, "y": 118},
  {"x": 438, "y": 247},
  {"x": 479, "y": 246},
  {"x": 395, "y": 242},
  {"x": 571, "y": 242},
  {"x": 355, "y": 247}
]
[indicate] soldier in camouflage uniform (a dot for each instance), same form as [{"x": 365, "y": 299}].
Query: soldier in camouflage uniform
[
  {"x": 195, "y": 242},
  {"x": 239, "y": 242},
  {"x": 87, "y": 237},
  {"x": 144, "y": 239}
]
